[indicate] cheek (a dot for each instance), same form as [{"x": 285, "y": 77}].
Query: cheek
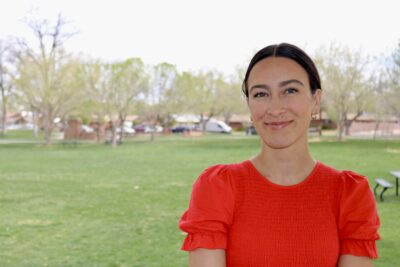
[
  {"x": 257, "y": 110},
  {"x": 300, "y": 108}
]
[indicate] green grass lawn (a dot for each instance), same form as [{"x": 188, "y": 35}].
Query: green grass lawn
[
  {"x": 22, "y": 135},
  {"x": 95, "y": 206}
]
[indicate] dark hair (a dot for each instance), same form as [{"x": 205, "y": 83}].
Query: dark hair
[{"x": 288, "y": 51}]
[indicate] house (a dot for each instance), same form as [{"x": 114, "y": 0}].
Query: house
[{"x": 369, "y": 125}]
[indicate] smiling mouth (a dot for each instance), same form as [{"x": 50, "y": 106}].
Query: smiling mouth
[{"x": 278, "y": 124}]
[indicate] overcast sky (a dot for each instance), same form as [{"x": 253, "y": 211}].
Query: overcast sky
[{"x": 211, "y": 34}]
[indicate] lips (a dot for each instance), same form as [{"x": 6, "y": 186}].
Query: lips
[{"x": 276, "y": 125}]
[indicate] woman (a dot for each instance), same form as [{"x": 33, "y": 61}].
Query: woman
[{"x": 282, "y": 207}]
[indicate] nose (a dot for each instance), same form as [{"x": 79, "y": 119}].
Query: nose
[{"x": 276, "y": 107}]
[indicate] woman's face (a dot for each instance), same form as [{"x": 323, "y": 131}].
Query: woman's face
[{"x": 280, "y": 101}]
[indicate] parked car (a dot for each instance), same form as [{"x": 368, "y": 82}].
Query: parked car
[
  {"x": 181, "y": 129},
  {"x": 216, "y": 126},
  {"x": 87, "y": 129},
  {"x": 127, "y": 130},
  {"x": 26, "y": 126},
  {"x": 251, "y": 130},
  {"x": 144, "y": 128}
]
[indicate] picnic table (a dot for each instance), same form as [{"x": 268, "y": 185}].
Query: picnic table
[{"x": 396, "y": 175}]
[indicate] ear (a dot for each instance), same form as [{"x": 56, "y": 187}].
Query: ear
[{"x": 317, "y": 101}]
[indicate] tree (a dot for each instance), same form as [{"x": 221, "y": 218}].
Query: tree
[
  {"x": 393, "y": 90},
  {"x": 129, "y": 84},
  {"x": 204, "y": 98},
  {"x": 347, "y": 89},
  {"x": 6, "y": 80},
  {"x": 184, "y": 92},
  {"x": 161, "y": 95},
  {"x": 208, "y": 94},
  {"x": 48, "y": 75},
  {"x": 116, "y": 89},
  {"x": 231, "y": 93},
  {"x": 96, "y": 88}
]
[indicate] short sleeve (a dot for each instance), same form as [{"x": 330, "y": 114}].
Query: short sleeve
[
  {"x": 209, "y": 216},
  {"x": 358, "y": 219}
]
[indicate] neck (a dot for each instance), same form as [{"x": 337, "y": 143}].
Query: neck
[{"x": 285, "y": 166}]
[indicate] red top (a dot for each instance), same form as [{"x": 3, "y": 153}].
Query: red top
[{"x": 259, "y": 223}]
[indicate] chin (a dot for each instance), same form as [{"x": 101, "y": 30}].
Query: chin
[{"x": 277, "y": 144}]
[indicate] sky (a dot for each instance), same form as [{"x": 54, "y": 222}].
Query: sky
[{"x": 210, "y": 34}]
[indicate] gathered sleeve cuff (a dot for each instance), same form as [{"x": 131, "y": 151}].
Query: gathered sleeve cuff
[
  {"x": 362, "y": 248},
  {"x": 209, "y": 216},
  {"x": 213, "y": 240},
  {"x": 358, "y": 219}
]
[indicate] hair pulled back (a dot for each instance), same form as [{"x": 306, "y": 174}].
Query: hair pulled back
[{"x": 288, "y": 51}]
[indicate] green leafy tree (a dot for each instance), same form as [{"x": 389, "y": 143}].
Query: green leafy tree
[
  {"x": 7, "y": 75},
  {"x": 393, "y": 90},
  {"x": 47, "y": 76},
  {"x": 204, "y": 98},
  {"x": 96, "y": 88},
  {"x": 161, "y": 95},
  {"x": 115, "y": 90},
  {"x": 230, "y": 92},
  {"x": 347, "y": 89},
  {"x": 208, "y": 94}
]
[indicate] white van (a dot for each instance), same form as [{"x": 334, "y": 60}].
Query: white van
[{"x": 216, "y": 126}]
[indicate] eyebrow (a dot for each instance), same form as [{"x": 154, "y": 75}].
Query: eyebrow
[{"x": 281, "y": 84}]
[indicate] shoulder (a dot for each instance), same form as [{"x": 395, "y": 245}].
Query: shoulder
[
  {"x": 354, "y": 188},
  {"x": 346, "y": 178},
  {"x": 225, "y": 173},
  {"x": 214, "y": 171},
  {"x": 213, "y": 174},
  {"x": 220, "y": 180},
  {"x": 353, "y": 183}
]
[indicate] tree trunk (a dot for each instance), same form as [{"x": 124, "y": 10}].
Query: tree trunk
[
  {"x": 377, "y": 122},
  {"x": 340, "y": 126},
  {"x": 348, "y": 123},
  {"x": 340, "y": 130},
  {"x": 47, "y": 133},
  {"x": 121, "y": 127},
  {"x": 152, "y": 136},
  {"x": 48, "y": 126},
  {"x": 342, "y": 117},
  {"x": 152, "y": 133},
  {"x": 97, "y": 130},
  {"x": 4, "y": 118},
  {"x": 205, "y": 121},
  {"x": 114, "y": 135},
  {"x": 35, "y": 130},
  {"x": 202, "y": 123}
]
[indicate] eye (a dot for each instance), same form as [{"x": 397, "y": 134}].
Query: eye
[
  {"x": 290, "y": 91},
  {"x": 260, "y": 94}
]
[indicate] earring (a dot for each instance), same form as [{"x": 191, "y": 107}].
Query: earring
[{"x": 314, "y": 116}]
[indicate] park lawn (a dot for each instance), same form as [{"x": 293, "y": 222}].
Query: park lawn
[
  {"x": 22, "y": 135},
  {"x": 91, "y": 205}
]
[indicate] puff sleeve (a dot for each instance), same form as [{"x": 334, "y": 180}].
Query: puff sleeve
[
  {"x": 358, "y": 218},
  {"x": 210, "y": 213}
]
